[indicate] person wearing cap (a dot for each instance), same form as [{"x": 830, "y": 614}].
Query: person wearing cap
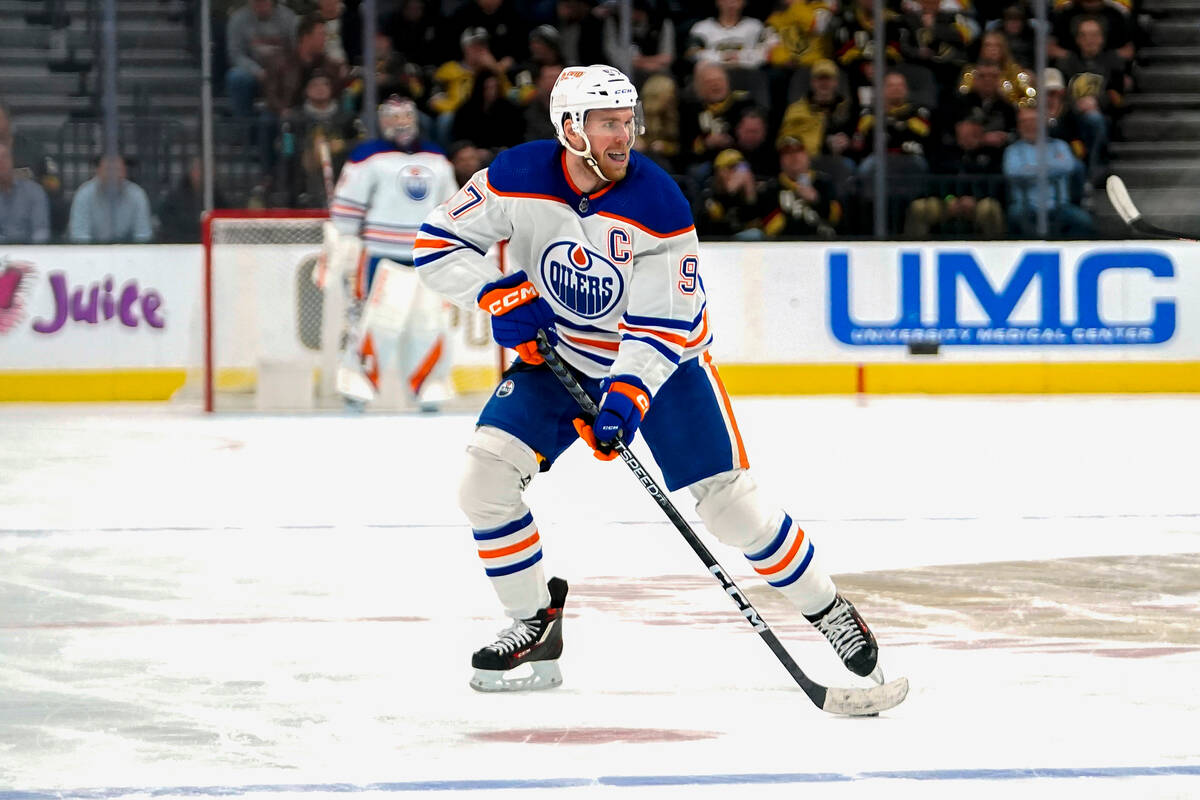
[
  {"x": 455, "y": 80},
  {"x": 801, "y": 199},
  {"x": 1086, "y": 132},
  {"x": 507, "y": 32},
  {"x": 797, "y": 34},
  {"x": 824, "y": 118},
  {"x": 731, "y": 204}
]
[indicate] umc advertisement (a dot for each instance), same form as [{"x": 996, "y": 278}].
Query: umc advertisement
[{"x": 125, "y": 323}]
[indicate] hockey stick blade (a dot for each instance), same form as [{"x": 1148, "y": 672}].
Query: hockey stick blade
[
  {"x": 851, "y": 702},
  {"x": 1118, "y": 195}
]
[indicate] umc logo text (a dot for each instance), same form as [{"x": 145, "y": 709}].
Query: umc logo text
[{"x": 955, "y": 268}]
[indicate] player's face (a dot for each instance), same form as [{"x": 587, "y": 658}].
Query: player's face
[{"x": 611, "y": 134}]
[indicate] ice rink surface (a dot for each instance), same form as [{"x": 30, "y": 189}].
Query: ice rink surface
[{"x": 273, "y": 606}]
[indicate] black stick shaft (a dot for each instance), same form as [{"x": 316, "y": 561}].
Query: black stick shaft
[{"x": 815, "y": 691}]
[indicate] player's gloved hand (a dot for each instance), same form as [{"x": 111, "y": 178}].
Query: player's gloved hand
[
  {"x": 518, "y": 313},
  {"x": 624, "y": 403}
]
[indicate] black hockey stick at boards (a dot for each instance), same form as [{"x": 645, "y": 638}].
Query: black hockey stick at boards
[
  {"x": 851, "y": 702},
  {"x": 1118, "y": 195}
]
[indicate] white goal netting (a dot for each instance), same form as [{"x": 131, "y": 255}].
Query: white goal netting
[{"x": 271, "y": 336}]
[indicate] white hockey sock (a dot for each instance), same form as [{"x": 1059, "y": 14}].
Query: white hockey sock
[
  {"x": 512, "y": 556},
  {"x": 787, "y": 561}
]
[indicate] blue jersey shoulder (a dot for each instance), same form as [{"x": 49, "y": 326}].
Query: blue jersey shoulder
[
  {"x": 377, "y": 146},
  {"x": 650, "y": 197},
  {"x": 530, "y": 168}
]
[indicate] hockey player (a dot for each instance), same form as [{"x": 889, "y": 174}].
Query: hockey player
[
  {"x": 386, "y": 188},
  {"x": 613, "y": 277}
]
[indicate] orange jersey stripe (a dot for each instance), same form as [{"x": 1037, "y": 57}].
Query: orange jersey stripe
[
  {"x": 512, "y": 548},
  {"x": 425, "y": 242},
  {"x": 741, "y": 447},
  {"x": 591, "y": 342}
]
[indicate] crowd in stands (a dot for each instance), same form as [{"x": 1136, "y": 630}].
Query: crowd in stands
[{"x": 762, "y": 110}]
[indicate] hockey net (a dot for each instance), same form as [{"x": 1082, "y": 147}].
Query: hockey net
[{"x": 271, "y": 336}]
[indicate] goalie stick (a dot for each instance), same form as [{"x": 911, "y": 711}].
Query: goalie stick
[
  {"x": 1118, "y": 195},
  {"x": 851, "y": 702}
]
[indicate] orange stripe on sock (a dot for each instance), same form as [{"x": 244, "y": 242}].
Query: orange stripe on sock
[
  {"x": 787, "y": 560},
  {"x": 743, "y": 461},
  {"x": 512, "y": 548}
]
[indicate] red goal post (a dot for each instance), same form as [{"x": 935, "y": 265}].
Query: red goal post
[{"x": 271, "y": 337}]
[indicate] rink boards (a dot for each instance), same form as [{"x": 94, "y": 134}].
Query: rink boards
[{"x": 124, "y": 323}]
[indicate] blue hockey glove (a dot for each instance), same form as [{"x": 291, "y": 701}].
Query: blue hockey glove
[
  {"x": 518, "y": 313},
  {"x": 625, "y": 401}
]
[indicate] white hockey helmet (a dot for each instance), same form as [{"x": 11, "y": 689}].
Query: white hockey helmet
[
  {"x": 398, "y": 120},
  {"x": 579, "y": 90}
]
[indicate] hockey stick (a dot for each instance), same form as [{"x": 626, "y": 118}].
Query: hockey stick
[
  {"x": 1118, "y": 195},
  {"x": 852, "y": 702}
]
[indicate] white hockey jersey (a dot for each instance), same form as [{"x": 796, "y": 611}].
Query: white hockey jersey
[
  {"x": 384, "y": 192},
  {"x": 620, "y": 267}
]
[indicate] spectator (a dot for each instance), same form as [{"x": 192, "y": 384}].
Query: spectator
[
  {"x": 543, "y": 51},
  {"x": 24, "y": 208},
  {"x": 1016, "y": 81},
  {"x": 182, "y": 208},
  {"x": 288, "y": 75},
  {"x": 257, "y": 34},
  {"x": 907, "y": 128},
  {"x": 1094, "y": 72},
  {"x": 824, "y": 119},
  {"x": 537, "y": 112},
  {"x": 750, "y": 138},
  {"x": 985, "y": 99},
  {"x": 853, "y": 33},
  {"x": 1114, "y": 25},
  {"x": 30, "y": 161},
  {"x": 108, "y": 208},
  {"x": 581, "y": 33},
  {"x": 396, "y": 75},
  {"x": 413, "y": 30},
  {"x": 798, "y": 34},
  {"x": 507, "y": 32},
  {"x": 653, "y": 40},
  {"x": 467, "y": 160},
  {"x": 1018, "y": 34},
  {"x": 937, "y": 39},
  {"x": 329, "y": 13},
  {"x": 1025, "y": 198},
  {"x": 660, "y": 108},
  {"x": 803, "y": 199},
  {"x": 1085, "y": 131},
  {"x": 966, "y": 204},
  {"x": 732, "y": 203},
  {"x": 488, "y": 118},
  {"x": 707, "y": 122},
  {"x": 456, "y": 79},
  {"x": 729, "y": 38},
  {"x": 320, "y": 123}
]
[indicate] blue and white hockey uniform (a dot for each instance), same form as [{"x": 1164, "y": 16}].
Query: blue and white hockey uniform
[
  {"x": 620, "y": 266},
  {"x": 384, "y": 192}
]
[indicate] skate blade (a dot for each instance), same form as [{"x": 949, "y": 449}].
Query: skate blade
[{"x": 545, "y": 675}]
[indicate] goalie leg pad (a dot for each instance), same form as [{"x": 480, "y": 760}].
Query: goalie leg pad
[
  {"x": 779, "y": 550},
  {"x": 498, "y": 468}
]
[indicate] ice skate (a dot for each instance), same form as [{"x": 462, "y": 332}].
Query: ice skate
[
  {"x": 852, "y": 640},
  {"x": 536, "y": 641}
]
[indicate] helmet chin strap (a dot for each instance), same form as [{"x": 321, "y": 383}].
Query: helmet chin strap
[{"x": 586, "y": 154}]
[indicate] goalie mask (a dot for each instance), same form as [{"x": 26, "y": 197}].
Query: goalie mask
[
  {"x": 579, "y": 90},
  {"x": 398, "y": 121}
]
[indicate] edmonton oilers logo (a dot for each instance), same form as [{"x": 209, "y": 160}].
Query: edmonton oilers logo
[
  {"x": 581, "y": 280},
  {"x": 416, "y": 180},
  {"x": 506, "y": 388}
]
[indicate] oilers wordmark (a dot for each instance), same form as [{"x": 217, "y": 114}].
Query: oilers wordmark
[
  {"x": 580, "y": 279},
  {"x": 954, "y": 268}
]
